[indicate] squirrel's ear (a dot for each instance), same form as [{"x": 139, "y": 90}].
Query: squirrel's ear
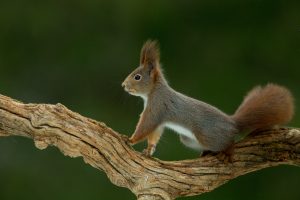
[{"x": 150, "y": 54}]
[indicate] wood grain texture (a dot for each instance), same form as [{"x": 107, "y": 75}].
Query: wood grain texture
[{"x": 148, "y": 178}]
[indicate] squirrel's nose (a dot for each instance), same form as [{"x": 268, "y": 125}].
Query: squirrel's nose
[{"x": 123, "y": 84}]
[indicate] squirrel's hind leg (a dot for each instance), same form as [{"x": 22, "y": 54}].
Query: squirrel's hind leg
[
  {"x": 191, "y": 143},
  {"x": 227, "y": 154}
]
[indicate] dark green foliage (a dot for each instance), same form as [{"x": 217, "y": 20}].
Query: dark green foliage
[{"x": 78, "y": 53}]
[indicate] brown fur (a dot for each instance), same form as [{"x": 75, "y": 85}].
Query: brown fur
[
  {"x": 152, "y": 140},
  {"x": 155, "y": 74},
  {"x": 150, "y": 53},
  {"x": 265, "y": 107}
]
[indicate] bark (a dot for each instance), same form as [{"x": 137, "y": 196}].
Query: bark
[{"x": 148, "y": 178}]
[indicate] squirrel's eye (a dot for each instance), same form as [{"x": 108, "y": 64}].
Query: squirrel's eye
[{"x": 137, "y": 77}]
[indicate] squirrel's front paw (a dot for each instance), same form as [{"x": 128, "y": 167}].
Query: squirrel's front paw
[
  {"x": 149, "y": 151},
  {"x": 125, "y": 138},
  {"x": 132, "y": 140}
]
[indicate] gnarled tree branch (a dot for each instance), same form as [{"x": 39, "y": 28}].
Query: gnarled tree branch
[{"x": 147, "y": 178}]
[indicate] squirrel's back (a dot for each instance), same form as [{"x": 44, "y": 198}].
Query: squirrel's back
[
  {"x": 213, "y": 129},
  {"x": 265, "y": 107}
]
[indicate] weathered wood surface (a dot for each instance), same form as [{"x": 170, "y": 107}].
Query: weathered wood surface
[{"x": 147, "y": 178}]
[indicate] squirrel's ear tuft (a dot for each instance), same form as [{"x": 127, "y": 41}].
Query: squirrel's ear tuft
[{"x": 150, "y": 54}]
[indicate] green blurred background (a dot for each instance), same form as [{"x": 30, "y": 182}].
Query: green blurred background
[{"x": 78, "y": 53}]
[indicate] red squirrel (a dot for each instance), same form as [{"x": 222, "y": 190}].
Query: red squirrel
[{"x": 201, "y": 126}]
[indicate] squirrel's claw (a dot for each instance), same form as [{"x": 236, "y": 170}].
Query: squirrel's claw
[
  {"x": 227, "y": 155},
  {"x": 149, "y": 151},
  {"x": 131, "y": 141},
  {"x": 226, "y": 158},
  {"x": 126, "y": 139},
  {"x": 146, "y": 152}
]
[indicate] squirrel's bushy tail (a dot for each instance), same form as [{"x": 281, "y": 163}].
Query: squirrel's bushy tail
[{"x": 265, "y": 107}]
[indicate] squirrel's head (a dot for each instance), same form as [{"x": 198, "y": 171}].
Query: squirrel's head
[{"x": 141, "y": 81}]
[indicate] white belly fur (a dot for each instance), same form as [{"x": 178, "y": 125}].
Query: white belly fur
[{"x": 185, "y": 132}]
